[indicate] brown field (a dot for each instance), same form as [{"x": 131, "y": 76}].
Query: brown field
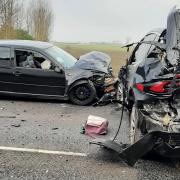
[{"x": 115, "y": 51}]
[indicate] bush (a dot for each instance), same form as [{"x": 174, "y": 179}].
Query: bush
[{"x": 22, "y": 34}]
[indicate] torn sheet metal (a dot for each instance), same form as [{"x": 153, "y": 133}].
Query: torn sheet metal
[{"x": 157, "y": 140}]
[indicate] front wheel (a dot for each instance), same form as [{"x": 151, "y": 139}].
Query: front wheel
[{"x": 82, "y": 94}]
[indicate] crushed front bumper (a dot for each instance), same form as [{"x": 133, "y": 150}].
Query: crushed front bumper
[{"x": 156, "y": 140}]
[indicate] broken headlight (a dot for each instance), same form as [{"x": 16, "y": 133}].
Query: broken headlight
[{"x": 98, "y": 80}]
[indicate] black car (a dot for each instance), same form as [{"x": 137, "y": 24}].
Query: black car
[
  {"x": 150, "y": 88},
  {"x": 42, "y": 70}
]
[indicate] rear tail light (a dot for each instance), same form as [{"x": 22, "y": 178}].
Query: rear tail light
[
  {"x": 158, "y": 87},
  {"x": 140, "y": 87},
  {"x": 178, "y": 76}
]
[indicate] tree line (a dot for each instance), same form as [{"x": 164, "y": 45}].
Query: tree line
[{"x": 26, "y": 19}]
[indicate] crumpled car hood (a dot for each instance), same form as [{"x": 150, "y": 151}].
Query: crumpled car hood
[{"x": 94, "y": 60}]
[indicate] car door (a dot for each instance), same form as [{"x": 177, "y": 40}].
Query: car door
[
  {"x": 6, "y": 70},
  {"x": 38, "y": 81}
]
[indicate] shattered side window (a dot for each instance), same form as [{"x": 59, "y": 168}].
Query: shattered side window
[{"x": 144, "y": 49}]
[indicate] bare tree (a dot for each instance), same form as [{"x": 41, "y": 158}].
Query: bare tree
[
  {"x": 39, "y": 19},
  {"x": 19, "y": 18},
  {"x": 9, "y": 13}
]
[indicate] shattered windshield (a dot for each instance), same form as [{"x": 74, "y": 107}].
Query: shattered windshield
[{"x": 61, "y": 56}]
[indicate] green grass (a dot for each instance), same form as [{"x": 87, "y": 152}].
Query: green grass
[{"x": 117, "y": 54}]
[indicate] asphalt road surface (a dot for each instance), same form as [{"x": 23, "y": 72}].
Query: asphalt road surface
[{"x": 54, "y": 127}]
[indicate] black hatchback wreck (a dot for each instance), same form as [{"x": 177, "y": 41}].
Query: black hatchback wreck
[
  {"x": 150, "y": 88},
  {"x": 42, "y": 70}
]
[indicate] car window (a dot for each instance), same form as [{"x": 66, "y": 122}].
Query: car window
[
  {"x": 144, "y": 49},
  {"x": 62, "y": 57},
  {"x": 5, "y": 56},
  {"x": 32, "y": 59}
]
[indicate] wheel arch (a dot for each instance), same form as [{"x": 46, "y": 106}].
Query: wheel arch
[
  {"x": 76, "y": 83},
  {"x": 82, "y": 82}
]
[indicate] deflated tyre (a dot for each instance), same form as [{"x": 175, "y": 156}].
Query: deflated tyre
[{"x": 83, "y": 94}]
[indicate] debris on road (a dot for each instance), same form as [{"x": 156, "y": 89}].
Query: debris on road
[
  {"x": 82, "y": 130},
  {"x": 15, "y": 125},
  {"x": 55, "y": 129},
  {"x": 47, "y": 171},
  {"x": 96, "y": 125},
  {"x": 23, "y": 120},
  {"x": 7, "y": 116}
]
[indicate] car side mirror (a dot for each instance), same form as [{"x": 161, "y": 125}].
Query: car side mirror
[{"x": 58, "y": 70}]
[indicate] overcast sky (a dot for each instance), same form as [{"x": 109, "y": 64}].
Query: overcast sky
[{"x": 108, "y": 20}]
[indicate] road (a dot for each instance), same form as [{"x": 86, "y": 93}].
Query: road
[{"x": 55, "y": 126}]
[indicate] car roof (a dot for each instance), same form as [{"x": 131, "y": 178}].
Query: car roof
[{"x": 26, "y": 43}]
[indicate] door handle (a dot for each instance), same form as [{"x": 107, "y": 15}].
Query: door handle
[{"x": 17, "y": 73}]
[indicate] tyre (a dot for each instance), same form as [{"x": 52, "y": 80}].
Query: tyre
[
  {"x": 136, "y": 120},
  {"x": 83, "y": 94}
]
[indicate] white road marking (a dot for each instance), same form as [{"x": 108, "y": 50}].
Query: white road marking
[{"x": 42, "y": 151}]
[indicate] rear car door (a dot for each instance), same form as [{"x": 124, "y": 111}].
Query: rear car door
[
  {"x": 6, "y": 70},
  {"x": 38, "y": 81}
]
